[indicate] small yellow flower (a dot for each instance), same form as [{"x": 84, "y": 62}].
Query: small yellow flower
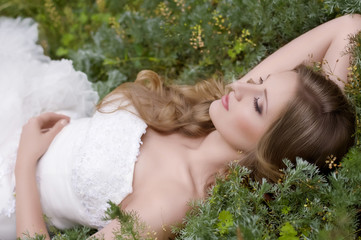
[
  {"x": 181, "y": 4},
  {"x": 331, "y": 161},
  {"x": 196, "y": 40},
  {"x": 116, "y": 26},
  {"x": 101, "y": 5},
  {"x": 164, "y": 11}
]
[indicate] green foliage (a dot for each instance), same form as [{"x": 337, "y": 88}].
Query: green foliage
[
  {"x": 36, "y": 237},
  {"x": 64, "y": 25},
  {"x": 288, "y": 232},
  {"x": 131, "y": 226},
  {"x": 225, "y": 221},
  {"x": 342, "y": 7},
  {"x": 183, "y": 40},
  {"x": 76, "y": 233},
  {"x": 303, "y": 205},
  {"x": 353, "y": 89}
]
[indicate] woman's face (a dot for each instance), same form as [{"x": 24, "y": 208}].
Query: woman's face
[{"x": 243, "y": 116}]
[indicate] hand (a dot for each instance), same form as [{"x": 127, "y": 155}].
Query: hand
[{"x": 37, "y": 135}]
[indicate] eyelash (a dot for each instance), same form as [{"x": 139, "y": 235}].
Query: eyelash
[{"x": 256, "y": 106}]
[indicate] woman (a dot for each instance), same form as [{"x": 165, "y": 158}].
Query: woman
[{"x": 279, "y": 109}]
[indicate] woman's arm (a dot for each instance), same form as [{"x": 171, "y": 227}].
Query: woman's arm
[
  {"x": 35, "y": 139},
  {"x": 325, "y": 43}
]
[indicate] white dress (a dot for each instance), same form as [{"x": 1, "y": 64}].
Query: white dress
[{"x": 90, "y": 162}]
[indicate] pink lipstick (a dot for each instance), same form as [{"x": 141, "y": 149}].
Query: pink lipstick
[{"x": 225, "y": 101}]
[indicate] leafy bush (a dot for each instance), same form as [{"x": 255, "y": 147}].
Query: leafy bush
[
  {"x": 304, "y": 205},
  {"x": 111, "y": 41}
]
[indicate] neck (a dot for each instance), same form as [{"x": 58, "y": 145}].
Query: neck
[{"x": 213, "y": 154}]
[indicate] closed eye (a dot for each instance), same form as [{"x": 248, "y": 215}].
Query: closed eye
[{"x": 256, "y": 105}]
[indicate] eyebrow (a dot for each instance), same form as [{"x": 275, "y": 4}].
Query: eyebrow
[{"x": 265, "y": 96}]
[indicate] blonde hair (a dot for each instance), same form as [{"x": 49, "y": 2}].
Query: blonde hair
[
  {"x": 318, "y": 122},
  {"x": 167, "y": 109}
]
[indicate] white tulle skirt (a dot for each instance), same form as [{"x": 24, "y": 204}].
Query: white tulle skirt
[{"x": 30, "y": 84}]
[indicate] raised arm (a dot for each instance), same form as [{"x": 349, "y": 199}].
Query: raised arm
[
  {"x": 35, "y": 139},
  {"x": 326, "y": 44}
]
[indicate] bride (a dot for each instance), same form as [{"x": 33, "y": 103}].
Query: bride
[{"x": 153, "y": 148}]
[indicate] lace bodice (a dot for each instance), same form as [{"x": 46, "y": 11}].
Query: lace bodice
[
  {"x": 89, "y": 163},
  {"x": 104, "y": 166}
]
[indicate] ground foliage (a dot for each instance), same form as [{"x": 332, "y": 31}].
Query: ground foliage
[{"x": 188, "y": 40}]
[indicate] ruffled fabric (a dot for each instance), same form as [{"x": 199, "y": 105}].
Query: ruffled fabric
[
  {"x": 90, "y": 162},
  {"x": 30, "y": 84}
]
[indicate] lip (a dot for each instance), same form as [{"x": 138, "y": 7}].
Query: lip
[{"x": 225, "y": 100}]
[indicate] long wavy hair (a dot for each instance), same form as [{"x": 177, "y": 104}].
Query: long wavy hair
[{"x": 317, "y": 123}]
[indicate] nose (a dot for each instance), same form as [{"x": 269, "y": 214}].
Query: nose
[{"x": 242, "y": 89}]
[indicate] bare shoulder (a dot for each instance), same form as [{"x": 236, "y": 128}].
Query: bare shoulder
[{"x": 158, "y": 212}]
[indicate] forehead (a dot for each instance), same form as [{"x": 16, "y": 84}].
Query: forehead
[
  {"x": 281, "y": 88},
  {"x": 283, "y": 80}
]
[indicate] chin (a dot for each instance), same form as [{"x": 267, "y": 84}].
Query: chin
[
  {"x": 215, "y": 110},
  {"x": 212, "y": 108}
]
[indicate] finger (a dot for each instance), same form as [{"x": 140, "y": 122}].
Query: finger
[
  {"x": 47, "y": 120},
  {"x": 44, "y": 130},
  {"x": 56, "y": 129}
]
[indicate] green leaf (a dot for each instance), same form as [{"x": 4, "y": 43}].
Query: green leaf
[
  {"x": 61, "y": 52},
  {"x": 286, "y": 210},
  {"x": 238, "y": 47},
  {"x": 288, "y": 232},
  {"x": 231, "y": 53},
  {"x": 83, "y": 18},
  {"x": 225, "y": 222},
  {"x": 67, "y": 38}
]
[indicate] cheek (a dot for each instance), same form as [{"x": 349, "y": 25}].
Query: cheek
[
  {"x": 250, "y": 128},
  {"x": 241, "y": 129}
]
